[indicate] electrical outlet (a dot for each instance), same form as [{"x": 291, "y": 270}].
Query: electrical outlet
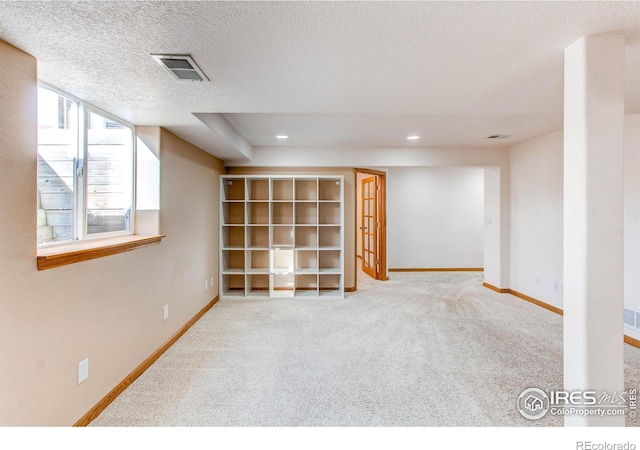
[
  {"x": 211, "y": 282},
  {"x": 556, "y": 286},
  {"x": 538, "y": 280},
  {"x": 83, "y": 370},
  {"x": 206, "y": 285},
  {"x": 166, "y": 312}
]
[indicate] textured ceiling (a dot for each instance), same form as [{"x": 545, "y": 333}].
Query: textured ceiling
[{"x": 326, "y": 73}]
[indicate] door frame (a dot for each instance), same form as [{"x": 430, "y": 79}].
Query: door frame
[
  {"x": 382, "y": 215},
  {"x": 370, "y": 225}
]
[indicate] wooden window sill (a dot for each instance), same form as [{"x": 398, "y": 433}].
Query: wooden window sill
[{"x": 51, "y": 257}]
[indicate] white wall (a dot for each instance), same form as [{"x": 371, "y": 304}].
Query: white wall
[
  {"x": 536, "y": 218},
  {"x": 435, "y": 217},
  {"x": 632, "y": 215}
]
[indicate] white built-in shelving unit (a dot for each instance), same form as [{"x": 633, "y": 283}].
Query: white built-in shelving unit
[{"x": 282, "y": 236}]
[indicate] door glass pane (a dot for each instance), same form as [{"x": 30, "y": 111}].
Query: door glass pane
[
  {"x": 57, "y": 153},
  {"x": 109, "y": 175}
]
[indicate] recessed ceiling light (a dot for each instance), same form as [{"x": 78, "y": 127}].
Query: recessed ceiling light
[
  {"x": 413, "y": 138},
  {"x": 282, "y": 136}
]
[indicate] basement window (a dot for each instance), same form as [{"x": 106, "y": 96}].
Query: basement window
[
  {"x": 85, "y": 171},
  {"x": 86, "y": 183}
]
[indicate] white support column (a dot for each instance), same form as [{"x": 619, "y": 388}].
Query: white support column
[
  {"x": 496, "y": 228},
  {"x": 593, "y": 219}
]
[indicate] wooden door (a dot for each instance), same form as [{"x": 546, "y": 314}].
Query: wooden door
[{"x": 369, "y": 226}]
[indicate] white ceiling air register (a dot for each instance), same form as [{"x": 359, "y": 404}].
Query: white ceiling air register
[
  {"x": 499, "y": 136},
  {"x": 181, "y": 67}
]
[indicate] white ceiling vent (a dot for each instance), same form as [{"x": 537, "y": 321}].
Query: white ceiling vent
[
  {"x": 499, "y": 136},
  {"x": 182, "y": 67}
]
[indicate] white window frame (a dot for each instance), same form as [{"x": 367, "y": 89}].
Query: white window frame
[{"x": 80, "y": 181}]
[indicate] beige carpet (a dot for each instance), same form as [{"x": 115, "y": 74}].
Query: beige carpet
[{"x": 422, "y": 349}]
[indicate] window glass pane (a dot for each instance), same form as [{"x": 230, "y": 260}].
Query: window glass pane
[
  {"x": 109, "y": 174},
  {"x": 57, "y": 153}
]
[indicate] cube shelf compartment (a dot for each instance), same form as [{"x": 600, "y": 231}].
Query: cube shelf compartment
[
  {"x": 306, "y": 285},
  {"x": 306, "y": 213},
  {"x": 258, "y": 213},
  {"x": 258, "y": 261},
  {"x": 232, "y": 213},
  {"x": 306, "y": 261},
  {"x": 281, "y": 236},
  {"x": 329, "y": 261},
  {"x": 282, "y": 213},
  {"x": 233, "y": 188},
  {"x": 282, "y": 285},
  {"x": 257, "y": 237},
  {"x": 330, "y": 189},
  {"x": 330, "y": 213},
  {"x": 233, "y": 285},
  {"x": 306, "y": 189},
  {"x": 329, "y": 237},
  {"x": 258, "y": 285},
  {"x": 281, "y": 261},
  {"x": 282, "y": 189},
  {"x": 307, "y": 236},
  {"x": 233, "y": 237},
  {"x": 258, "y": 188},
  {"x": 233, "y": 261},
  {"x": 330, "y": 285}
]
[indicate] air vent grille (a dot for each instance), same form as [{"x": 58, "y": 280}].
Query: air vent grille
[
  {"x": 629, "y": 317},
  {"x": 181, "y": 67},
  {"x": 177, "y": 64},
  {"x": 632, "y": 318}
]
